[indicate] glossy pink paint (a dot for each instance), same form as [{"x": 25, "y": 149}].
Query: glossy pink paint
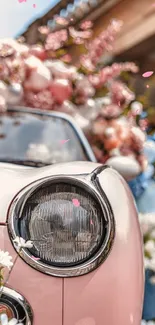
[{"x": 110, "y": 295}]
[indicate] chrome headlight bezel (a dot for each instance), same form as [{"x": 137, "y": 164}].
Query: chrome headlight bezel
[
  {"x": 12, "y": 294},
  {"x": 90, "y": 184}
]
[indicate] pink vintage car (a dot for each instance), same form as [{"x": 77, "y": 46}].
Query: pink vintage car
[{"x": 85, "y": 266}]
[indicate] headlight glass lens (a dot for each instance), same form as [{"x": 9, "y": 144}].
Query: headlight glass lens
[{"x": 65, "y": 222}]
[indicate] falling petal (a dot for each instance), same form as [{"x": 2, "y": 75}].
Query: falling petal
[
  {"x": 76, "y": 202},
  {"x": 147, "y": 86},
  {"x": 147, "y": 74},
  {"x": 34, "y": 5},
  {"x": 36, "y": 258},
  {"x": 64, "y": 141}
]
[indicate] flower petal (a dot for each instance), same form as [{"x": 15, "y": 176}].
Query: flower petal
[
  {"x": 29, "y": 244},
  {"x": 13, "y": 321},
  {"x": 22, "y": 242},
  {"x": 16, "y": 240},
  {"x": 147, "y": 74},
  {"x": 76, "y": 202}
]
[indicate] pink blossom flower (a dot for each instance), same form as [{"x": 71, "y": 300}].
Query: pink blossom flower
[
  {"x": 56, "y": 40},
  {"x": 111, "y": 111},
  {"x": 61, "y": 90},
  {"x": 102, "y": 42},
  {"x": 39, "y": 75},
  {"x": 44, "y": 30},
  {"x": 38, "y": 51},
  {"x": 86, "y": 62},
  {"x": 17, "y": 70},
  {"x": 115, "y": 70},
  {"x": 61, "y": 21},
  {"x": 84, "y": 87},
  {"x": 6, "y": 50},
  {"x": 120, "y": 93},
  {"x": 86, "y": 25},
  {"x": 80, "y": 34},
  {"x": 42, "y": 99},
  {"x": 95, "y": 80}
]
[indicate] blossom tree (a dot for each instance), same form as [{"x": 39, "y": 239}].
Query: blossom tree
[{"x": 42, "y": 76}]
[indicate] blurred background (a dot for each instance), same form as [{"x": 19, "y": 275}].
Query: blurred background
[{"x": 135, "y": 42}]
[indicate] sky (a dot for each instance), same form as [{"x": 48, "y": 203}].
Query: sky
[{"x": 16, "y": 15}]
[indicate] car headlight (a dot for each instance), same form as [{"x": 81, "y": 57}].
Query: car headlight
[
  {"x": 15, "y": 306},
  {"x": 68, "y": 239}
]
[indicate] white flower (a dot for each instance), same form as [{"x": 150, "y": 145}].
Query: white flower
[
  {"x": 147, "y": 218},
  {"x": 4, "y": 320},
  {"x": 150, "y": 246},
  {"x": 22, "y": 243},
  {"x": 5, "y": 259},
  {"x": 153, "y": 234}
]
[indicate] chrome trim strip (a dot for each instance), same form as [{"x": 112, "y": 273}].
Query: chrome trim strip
[
  {"x": 90, "y": 186},
  {"x": 85, "y": 144},
  {"x": 22, "y": 301}
]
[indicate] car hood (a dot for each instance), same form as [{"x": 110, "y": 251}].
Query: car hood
[{"x": 13, "y": 166}]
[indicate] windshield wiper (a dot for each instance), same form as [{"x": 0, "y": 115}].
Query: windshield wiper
[{"x": 24, "y": 162}]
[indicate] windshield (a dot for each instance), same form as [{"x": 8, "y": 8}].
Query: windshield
[{"x": 32, "y": 138}]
